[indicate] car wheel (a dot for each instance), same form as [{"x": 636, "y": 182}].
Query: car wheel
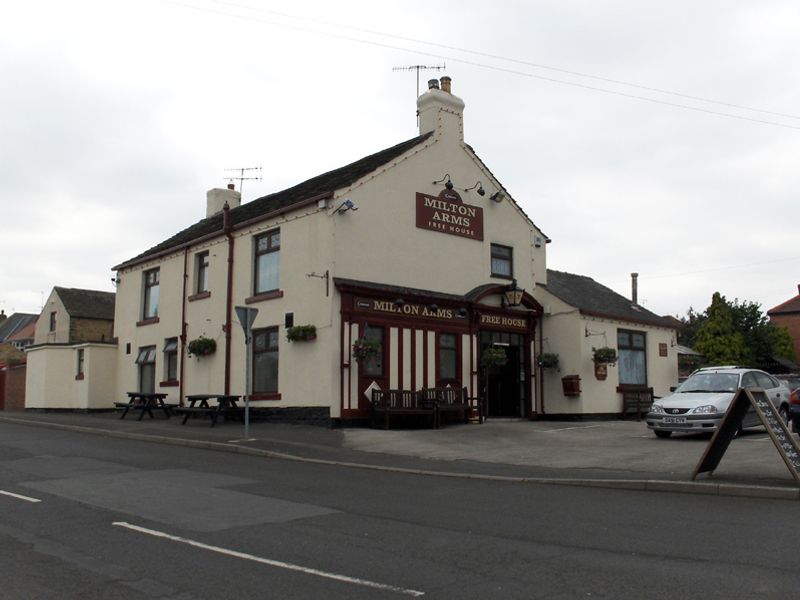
[
  {"x": 783, "y": 411},
  {"x": 661, "y": 433}
]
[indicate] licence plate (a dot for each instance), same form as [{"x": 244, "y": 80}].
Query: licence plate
[{"x": 674, "y": 419}]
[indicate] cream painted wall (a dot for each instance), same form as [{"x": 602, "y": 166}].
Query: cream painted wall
[
  {"x": 50, "y": 380},
  {"x": 564, "y": 331}
]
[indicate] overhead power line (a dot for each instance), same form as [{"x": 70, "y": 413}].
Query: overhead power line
[{"x": 492, "y": 67}]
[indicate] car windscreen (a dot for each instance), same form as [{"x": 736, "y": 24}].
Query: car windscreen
[{"x": 710, "y": 382}]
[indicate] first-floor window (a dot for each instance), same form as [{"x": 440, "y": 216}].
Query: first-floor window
[
  {"x": 201, "y": 272},
  {"x": 146, "y": 360},
  {"x": 631, "y": 347},
  {"x": 52, "y": 322},
  {"x": 152, "y": 280},
  {"x": 265, "y": 361},
  {"x": 171, "y": 359},
  {"x": 267, "y": 261},
  {"x": 502, "y": 261},
  {"x": 448, "y": 357}
]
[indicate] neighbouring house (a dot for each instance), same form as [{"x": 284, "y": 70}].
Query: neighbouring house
[
  {"x": 72, "y": 362},
  {"x": 23, "y": 337},
  {"x": 581, "y": 315},
  {"x": 14, "y": 324},
  {"x": 399, "y": 270},
  {"x": 787, "y": 315}
]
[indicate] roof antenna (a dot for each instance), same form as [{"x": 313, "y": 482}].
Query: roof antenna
[
  {"x": 241, "y": 176},
  {"x": 419, "y": 68}
]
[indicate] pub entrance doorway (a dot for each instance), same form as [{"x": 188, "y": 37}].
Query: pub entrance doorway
[{"x": 504, "y": 387}]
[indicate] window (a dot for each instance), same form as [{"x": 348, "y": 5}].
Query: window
[
  {"x": 151, "y": 284},
  {"x": 765, "y": 381},
  {"x": 52, "y": 322},
  {"x": 373, "y": 366},
  {"x": 265, "y": 361},
  {"x": 80, "y": 361},
  {"x": 171, "y": 359},
  {"x": 448, "y": 357},
  {"x": 267, "y": 261},
  {"x": 146, "y": 360},
  {"x": 631, "y": 346},
  {"x": 502, "y": 261},
  {"x": 201, "y": 273}
]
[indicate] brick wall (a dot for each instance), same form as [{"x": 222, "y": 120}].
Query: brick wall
[
  {"x": 90, "y": 330},
  {"x": 15, "y": 387},
  {"x": 792, "y": 323}
]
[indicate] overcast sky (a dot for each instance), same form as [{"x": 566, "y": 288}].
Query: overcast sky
[{"x": 601, "y": 118}]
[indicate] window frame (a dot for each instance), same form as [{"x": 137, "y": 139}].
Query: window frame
[
  {"x": 170, "y": 352},
  {"x": 269, "y": 332},
  {"x": 631, "y": 346},
  {"x": 499, "y": 256},
  {"x": 146, "y": 361},
  {"x": 272, "y": 248},
  {"x": 375, "y": 365},
  {"x": 456, "y": 358},
  {"x": 151, "y": 280},
  {"x": 201, "y": 264},
  {"x": 53, "y": 323},
  {"x": 80, "y": 367}
]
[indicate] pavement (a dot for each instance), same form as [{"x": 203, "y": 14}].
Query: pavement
[{"x": 621, "y": 454}]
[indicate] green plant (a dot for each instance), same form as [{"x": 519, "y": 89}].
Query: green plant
[
  {"x": 604, "y": 355},
  {"x": 364, "y": 349},
  {"x": 202, "y": 346},
  {"x": 548, "y": 360},
  {"x": 301, "y": 333},
  {"x": 493, "y": 357}
]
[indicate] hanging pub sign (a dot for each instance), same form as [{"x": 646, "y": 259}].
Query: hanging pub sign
[{"x": 447, "y": 213}]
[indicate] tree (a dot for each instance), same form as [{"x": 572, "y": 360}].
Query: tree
[
  {"x": 717, "y": 338},
  {"x": 735, "y": 333}
]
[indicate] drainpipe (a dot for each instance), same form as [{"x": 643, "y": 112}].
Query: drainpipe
[
  {"x": 540, "y": 378},
  {"x": 182, "y": 346},
  {"x": 228, "y": 228}
]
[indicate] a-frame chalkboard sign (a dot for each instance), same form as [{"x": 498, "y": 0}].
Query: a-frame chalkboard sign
[{"x": 787, "y": 446}]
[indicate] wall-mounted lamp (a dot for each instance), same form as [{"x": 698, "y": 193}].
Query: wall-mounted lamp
[
  {"x": 433, "y": 307},
  {"x": 497, "y": 197},
  {"x": 399, "y": 302},
  {"x": 446, "y": 181},
  {"x": 513, "y": 294},
  {"x": 115, "y": 281},
  {"x": 345, "y": 206},
  {"x": 462, "y": 313},
  {"x": 479, "y": 185}
]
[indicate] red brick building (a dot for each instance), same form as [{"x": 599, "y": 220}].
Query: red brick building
[{"x": 788, "y": 315}]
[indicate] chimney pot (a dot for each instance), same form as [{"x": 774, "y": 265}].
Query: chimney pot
[
  {"x": 635, "y": 288},
  {"x": 446, "y": 84},
  {"x": 433, "y": 84},
  {"x": 231, "y": 186}
]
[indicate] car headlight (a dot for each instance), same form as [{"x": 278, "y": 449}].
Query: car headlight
[
  {"x": 706, "y": 409},
  {"x": 657, "y": 408}
]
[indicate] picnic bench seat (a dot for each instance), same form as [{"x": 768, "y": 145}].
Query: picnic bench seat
[
  {"x": 637, "y": 402},
  {"x": 386, "y": 403}
]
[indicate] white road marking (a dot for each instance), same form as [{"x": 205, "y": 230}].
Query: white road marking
[
  {"x": 19, "y": 497},
  {"x": 272, "y": 563},
  {"x": 568, "y": 428}
]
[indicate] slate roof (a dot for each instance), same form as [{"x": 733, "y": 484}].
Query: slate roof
[
  {"x": 788, "y": 307},
  {"x": 15, "y": 323},
  {"x": 318, "y": 186},
  {"x": 87, "y": 304},
  {"x": 592, "y": 298}
]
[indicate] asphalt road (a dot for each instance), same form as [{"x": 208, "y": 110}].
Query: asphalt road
[{"x": 90, "y": 517}]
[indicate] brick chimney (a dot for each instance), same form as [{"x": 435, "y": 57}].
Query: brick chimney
[
  {"x": 216, "y": 199},
  {"x": 440, "y": 110}
]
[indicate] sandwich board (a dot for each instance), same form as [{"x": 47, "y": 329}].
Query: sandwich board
[{"x": 778, "y": 431}]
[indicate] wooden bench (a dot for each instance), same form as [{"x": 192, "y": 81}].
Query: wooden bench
[
  {"x": 451, "y": 400},
  {"x": 637, "y": 402},
  {"x": 386, "y": 403}
]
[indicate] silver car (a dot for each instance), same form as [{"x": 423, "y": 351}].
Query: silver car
[{"x": 700, "y": 402}]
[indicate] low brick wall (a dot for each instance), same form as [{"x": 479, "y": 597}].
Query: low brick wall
[{"x": 14, "y": 392}]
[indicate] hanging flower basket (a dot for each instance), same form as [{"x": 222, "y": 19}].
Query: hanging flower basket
[
  {"x": 301, "y": 333},
  {"x": 363, "y": 349},
  {"x": 548, "y": 360},
  {"x": 604, "y": 355},
  {"x": 202, "y": 346},
  {"x": 493, "y": 357}
]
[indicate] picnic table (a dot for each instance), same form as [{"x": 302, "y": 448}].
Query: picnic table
[
  {"x": 225, "y": 405},
  {"x": 144, "y": 402}
]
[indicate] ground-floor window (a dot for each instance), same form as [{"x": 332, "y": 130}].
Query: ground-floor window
[
  {"x": 631, "y": 347},
  {"x": 265, "y": 361},
  {"x": 171, "y": 359},
  {"x": 448, "y": 357},
  {"x": 80, "y": 365},
  {"x": 146, "y": 360},
  {"x": 373, "y": 366}
]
